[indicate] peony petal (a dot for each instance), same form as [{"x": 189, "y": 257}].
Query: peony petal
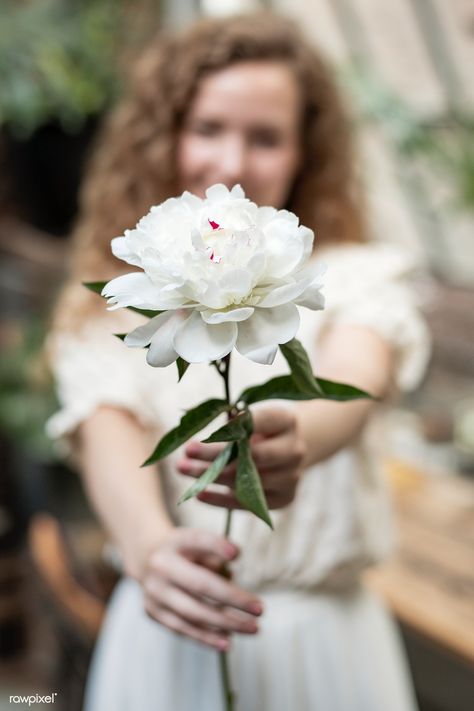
[
  {"x": 197, "y": 241},
  {"x": 198, "y": 342},
  {"x": 210, "y": 316},
  {"x": 141, "y": 336},
  {"x": 265, "y": 215},
  {"x": 283, "y": 294},
  {"x": 237, "y": 191},
  {"x": 235, "y": 284},
  {"x": 267, "y": 327},
  {"x": 161, "y": 351},
  {"x": 312, "y": 298},
  {"x": 218, "y": 192},
  {"x": 289, "y": 247},
  {"x": 122, "y": 249},
  {"x": 265, "y": 356},
  {"x": 134, "y": 289},
  {"x": 192, "y": 202}
]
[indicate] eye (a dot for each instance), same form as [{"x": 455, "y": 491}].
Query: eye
[
  {"x": 205, "y": 128},
  {"x": 266, "y": 138}
]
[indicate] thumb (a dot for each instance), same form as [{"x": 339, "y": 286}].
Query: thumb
[
  {"x": 206, "y": 543},
  {"x": 273, "y": 419}
]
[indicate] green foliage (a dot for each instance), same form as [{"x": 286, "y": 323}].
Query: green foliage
[
  {"x": 94, "y": 286},
  {"x": 237, "y": 428},
  {"x": 444, "y": 143},
  {"x": 300, "y": 366},
  {"x": 283, "y": 387},
  {"x": 248, "y": 486},
  {"x": 192, "y": 422},
  {"x": 210, "y": 475},
  {"x": 182, "y": 366},
  {"x": 27, "y": 397},
  {"x": 59, "y": 60},
  {"x": 341, "y": 392}
]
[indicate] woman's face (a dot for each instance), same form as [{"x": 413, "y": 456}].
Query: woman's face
[{"x": 243, "y": 127}]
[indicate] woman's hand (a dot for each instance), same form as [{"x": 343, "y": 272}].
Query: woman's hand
[
  {"x": 279, "y": 452},
  {"x": 185, "y": 592}
]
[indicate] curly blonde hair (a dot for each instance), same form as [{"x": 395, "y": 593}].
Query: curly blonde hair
[{"x": 133, "y": 165}]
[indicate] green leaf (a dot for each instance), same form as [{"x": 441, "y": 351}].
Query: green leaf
[
  {"x": 193, "y": 421},
  {"x": 182, "y": 365},
  {"x": 210, "y": 475},
  {"x": 122, "y": 336},
  {"x": 237, "y": 428},
  {"x": 248, "y": 487},
  {"x": 300, "y": 366},
  {"x": 333, "y": 390},
  {"x": 144, "y": 312},
  {"x": 97, "y": 286},
  {"x": 283, "y": 387}
]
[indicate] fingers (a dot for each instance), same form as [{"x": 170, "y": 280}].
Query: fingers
[
  {"x": 195, "y": 541},
  {"x": 267, "y": 421},
  {"x": 275, "y": 500},
  {"x": 176, "y": 624},
  {"x": 279, "y": 452},
  {"x": 192, "y": 599},
  {"x": 201, "y": 582},
  {"x": 270, "y": 420},
  {"x": 225, "y": 500},
  {"x": 196, "y": 467},
  {"x": 273, "y": 453},
  {"x": 198, "y": 613},
  {"x": 175, "y": 561},
  {"x": 205, "y": 451}
]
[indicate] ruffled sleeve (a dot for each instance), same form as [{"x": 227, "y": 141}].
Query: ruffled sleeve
[
  {"x": 370, "y": 285},
  {"x": 93, "y": 368}
]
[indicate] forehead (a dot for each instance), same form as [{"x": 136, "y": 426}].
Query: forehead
[{"x": 248, "y": 91}]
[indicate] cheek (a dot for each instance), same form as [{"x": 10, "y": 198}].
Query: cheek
[
  {"x": 277, "y": 169},
  {"x": 184, "y": 156},
  {"x": 192, "y": 155}
]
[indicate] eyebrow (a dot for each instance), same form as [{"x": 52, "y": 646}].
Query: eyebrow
[{"x": 217, "y": 122}]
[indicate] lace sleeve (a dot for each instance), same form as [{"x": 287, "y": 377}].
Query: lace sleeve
[{"x": 93, "y": 368}]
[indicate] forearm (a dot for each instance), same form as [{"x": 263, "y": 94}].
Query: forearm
[
  {"x": 127, "y": 498},
  {"x": 357, "y": 356},
  {"x": 327, "y": 426}
]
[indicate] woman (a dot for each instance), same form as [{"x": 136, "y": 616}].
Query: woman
[{"x": 247, "y": 101}]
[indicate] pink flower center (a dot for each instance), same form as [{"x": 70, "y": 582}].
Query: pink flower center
[
  {"x": 214, "y": 258},
  {"x": 214, "y": 225}
]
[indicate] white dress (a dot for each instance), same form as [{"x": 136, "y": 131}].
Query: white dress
[{"x": 325, "y": 642}]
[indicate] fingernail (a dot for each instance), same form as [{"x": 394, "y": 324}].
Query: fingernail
[
  {"x": 193, "y": 448},
  {"x": 256, "y": 608},
  {"x": 231, "y": 550},
  {"x": 223, "y": 644}
]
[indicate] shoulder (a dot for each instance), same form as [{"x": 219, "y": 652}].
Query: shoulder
[{"x": 355, "y": 269}]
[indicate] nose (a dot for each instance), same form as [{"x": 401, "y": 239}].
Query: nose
[{"x": 232, "y": 160}]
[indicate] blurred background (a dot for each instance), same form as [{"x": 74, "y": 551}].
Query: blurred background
[{"x": 406, "y": 69}]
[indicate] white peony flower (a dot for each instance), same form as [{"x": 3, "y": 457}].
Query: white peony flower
[{"x": 225, "y": 273}]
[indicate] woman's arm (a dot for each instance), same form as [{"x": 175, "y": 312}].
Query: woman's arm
[
  {"x": 127, "y": 498},
  {"x": 177, "y": 567},
  {"x": 286, "y": 441},
  {"x": 354, "y": 355}
]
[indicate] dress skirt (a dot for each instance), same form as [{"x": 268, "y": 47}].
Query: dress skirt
[{"x": 315, "y": 651}]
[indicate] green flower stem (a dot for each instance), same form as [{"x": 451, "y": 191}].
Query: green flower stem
[
  {"x": 226, "y": 682},
  {"x": 223, "y": 369}
]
